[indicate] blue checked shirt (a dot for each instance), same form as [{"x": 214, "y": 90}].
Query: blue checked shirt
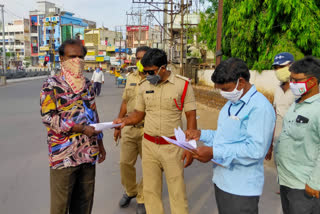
[{"x": 240, "y": 144}]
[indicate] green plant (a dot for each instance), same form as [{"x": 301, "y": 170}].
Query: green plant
[{"x": 256, "y": 30}]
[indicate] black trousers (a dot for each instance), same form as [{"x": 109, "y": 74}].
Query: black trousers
[
  {"x": 97, "y": 88},
  {"x": 296, "y": 201},
  {"x": 236, "y": 204}
]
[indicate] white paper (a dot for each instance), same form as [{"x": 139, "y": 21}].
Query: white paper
[
  {"x": 104, "y": 126},
  {"x": 187, "y": 145},
  {"x": 181, "y": 140}
]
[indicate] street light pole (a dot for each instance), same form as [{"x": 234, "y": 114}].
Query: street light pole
[
  {"x": 219, "y": 33},
  {"x": 140, "y": 21},
  {"x": 3, "y": 42},
  {"x": 181, "y": 38}
]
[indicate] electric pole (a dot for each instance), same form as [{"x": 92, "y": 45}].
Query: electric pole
[
  {"x": 51, "y": 44},
  {"x": 140, "y": 17},
  {"x": 171, "y": 39},
  {"x": 3, "y": 42},
  {"x": 219, "y": 33},
  {"x": 181, "y": 38},
  {"x": 165, "y": 25}
]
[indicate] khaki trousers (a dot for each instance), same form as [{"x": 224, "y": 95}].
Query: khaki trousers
[
  {"x": 130, "y": 149},
  {"x": 72, "y": 189},
  {"x": 157, "y": 159}
]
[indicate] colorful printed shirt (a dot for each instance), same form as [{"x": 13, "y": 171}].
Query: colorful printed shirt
[{"x": 60, "y": 110}]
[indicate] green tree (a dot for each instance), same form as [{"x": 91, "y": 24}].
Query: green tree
[{"x": 256, "y": 30}]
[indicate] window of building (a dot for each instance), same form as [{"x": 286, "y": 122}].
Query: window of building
[
  {"x": 34, "y": 49},
  {"x": 34, "y": 29}
]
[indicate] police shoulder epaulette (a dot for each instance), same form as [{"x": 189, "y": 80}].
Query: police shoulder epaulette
[
  {"x": 182, "y": 77},
  {"x": 142, "y": 81}
]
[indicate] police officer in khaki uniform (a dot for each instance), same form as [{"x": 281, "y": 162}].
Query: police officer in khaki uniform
[
  {"x": 162, "y": 98},
  {"x": 131, "y": 139}
]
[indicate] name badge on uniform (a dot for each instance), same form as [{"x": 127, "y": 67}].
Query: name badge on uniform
[
  {"x": 133, "y": 84},
  {"x": 150, "y": 92}
]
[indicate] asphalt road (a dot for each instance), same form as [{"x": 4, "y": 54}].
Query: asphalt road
[{"x": 24, "y": 172}]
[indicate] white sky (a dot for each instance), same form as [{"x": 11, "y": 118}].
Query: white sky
[{"x": 109, "y": 12}]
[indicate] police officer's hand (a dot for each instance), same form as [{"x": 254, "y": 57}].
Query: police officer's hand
[
  {"x": 192, "y": 134},
  {"x": 120, "y": 121},
  {"x": 116, "y": 134},
  {"x": 188, "y": 157},
  {"x": 203, "y": 154},
  {"x": 312, "y": 192},
  {"x": 102, "y": 152},
  {"x": 90, "y": 131}
]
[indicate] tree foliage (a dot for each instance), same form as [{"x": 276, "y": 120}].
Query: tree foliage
[{"x": 256, "y": 30}]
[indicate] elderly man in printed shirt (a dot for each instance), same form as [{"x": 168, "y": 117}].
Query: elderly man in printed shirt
[{"x": 67, "y": 109}]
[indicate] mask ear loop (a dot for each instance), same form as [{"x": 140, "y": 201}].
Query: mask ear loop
[{"x": 306, "y": 84}]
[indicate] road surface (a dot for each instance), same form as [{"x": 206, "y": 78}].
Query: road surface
[{"x": 24, "y": 177}]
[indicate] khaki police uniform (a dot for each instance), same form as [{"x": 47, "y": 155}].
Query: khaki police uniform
[
  {"x": 162, "y": 116},
  {"x": 131, "y": 138}
]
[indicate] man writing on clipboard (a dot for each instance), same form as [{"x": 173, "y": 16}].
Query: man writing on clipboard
[{"x": 241, "y": 141}]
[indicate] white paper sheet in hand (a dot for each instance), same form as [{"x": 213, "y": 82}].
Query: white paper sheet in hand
[
  {"x": 103, "y": 126},
  {"x": 181, "y": 140}
]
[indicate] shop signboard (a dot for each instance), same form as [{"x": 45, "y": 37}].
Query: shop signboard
[
  {"x": 90, "y": 58},
  {"x": 110, "y": 49},
  {"x": 44, "y": 48},
  {"x": 99, "y": 58},
  {"x": 136, "y": 28}
]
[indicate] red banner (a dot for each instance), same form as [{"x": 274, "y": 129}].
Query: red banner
[{"x": 136, "y": 28}]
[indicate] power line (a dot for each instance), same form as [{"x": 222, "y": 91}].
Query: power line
[{"x": 12, "y": 14}]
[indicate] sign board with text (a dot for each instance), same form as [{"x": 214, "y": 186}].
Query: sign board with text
[
  {"x": 136, "y": 28},
  {"x": 99, "y": 58}
]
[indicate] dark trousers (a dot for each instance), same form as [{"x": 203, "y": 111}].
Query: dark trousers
[
  {"x": 235, "y": 204},
  {"x": 296, "y": 201},
  {"x": 72, "y": 189},
  {"x": 97, "y": 88}
]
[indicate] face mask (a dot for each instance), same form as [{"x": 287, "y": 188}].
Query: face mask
[
  {"x": 300, "y": 88},
  {"x": 72, "y": 70},
  {"x": 283, "y": 74},
  {"x": 234, "y": 95},
  {"x": 154, "y": 79},
  {"x": 139, "y": 66}
]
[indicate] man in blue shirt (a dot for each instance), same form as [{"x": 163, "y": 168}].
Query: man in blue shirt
[{"x": 241, "y": 141}]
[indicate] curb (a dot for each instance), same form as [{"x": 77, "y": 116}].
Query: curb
[{"x": 26, "y": 79}]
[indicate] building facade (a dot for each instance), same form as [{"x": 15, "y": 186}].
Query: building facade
[
  {"x": 101, "y": 44},
  {"x": 50, "y": 27},
  {"x": 17, "y": 42}
]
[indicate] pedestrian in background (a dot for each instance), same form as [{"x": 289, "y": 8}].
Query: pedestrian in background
[
  {"x": 67, "y": 109},
  {"x": 297, "y": 152},
  {"x": 283, "y": 96},
  {"x": 161, "y": 100},
  {"x": 241, "y": 141},
  {"x": 131, "y": 139},
  {"x": 97, "y": 79}
]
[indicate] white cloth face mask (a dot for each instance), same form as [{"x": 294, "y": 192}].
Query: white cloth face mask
[{"x": 234, "y": 95}]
